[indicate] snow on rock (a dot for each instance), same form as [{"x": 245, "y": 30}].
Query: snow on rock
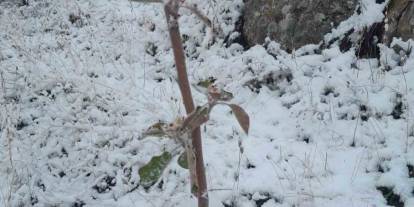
[{"x": 81, "y": 80}]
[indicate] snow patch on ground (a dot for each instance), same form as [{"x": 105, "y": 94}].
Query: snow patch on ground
[{"x": 81, "y": 80}]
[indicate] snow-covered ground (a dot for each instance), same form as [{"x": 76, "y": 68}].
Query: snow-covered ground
[{"x": 81, "y": 80}]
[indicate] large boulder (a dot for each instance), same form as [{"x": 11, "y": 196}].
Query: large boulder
[
  {"x": 293, "y": 23},
  {"x": 400, "y": 20}
]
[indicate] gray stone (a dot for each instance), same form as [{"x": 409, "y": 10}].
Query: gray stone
[
  {"x": 400, "y": 20},
  {"x": 293, "y": 23}
]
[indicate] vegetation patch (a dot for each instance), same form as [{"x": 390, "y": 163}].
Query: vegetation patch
[{"x": 391, "y": 198}]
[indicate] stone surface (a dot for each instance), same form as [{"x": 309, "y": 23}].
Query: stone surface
[
  {"x": 400, "y": 20},
  {"x": 293, "y": 23}
]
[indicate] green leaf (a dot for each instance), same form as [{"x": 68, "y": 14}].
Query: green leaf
[
  {"x": 152, "y": 171},
  {"x": 182, "y": 160}
]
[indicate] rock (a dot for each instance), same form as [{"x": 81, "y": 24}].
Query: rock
[
  {"x": 293, "y": 23},
  {"x": 400, "y": 20}
]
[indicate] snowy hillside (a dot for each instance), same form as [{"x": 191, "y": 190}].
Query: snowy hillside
[{"x": 81, "y": 80}]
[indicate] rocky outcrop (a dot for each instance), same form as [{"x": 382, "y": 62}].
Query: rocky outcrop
[
  {"x": 293, "y": 23},
  {"x": 400, "y": 20}
]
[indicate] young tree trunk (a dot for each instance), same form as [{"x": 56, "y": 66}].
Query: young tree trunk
[{"x": 199, "y": 185}]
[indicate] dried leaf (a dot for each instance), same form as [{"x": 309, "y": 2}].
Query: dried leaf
[
  {"x": 198, "y": 117},
  {"x": 241, "y": 116},
  {"x": 156, "y": 129},
  {"x": 213, "y": 91},
  {"x": 218, "y": 94},
  {"x": 152, "y": 171},
  {"x": 162, "y": 129}
]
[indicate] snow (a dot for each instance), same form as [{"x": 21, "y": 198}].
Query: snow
[{"x": 75, "y": 98}]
